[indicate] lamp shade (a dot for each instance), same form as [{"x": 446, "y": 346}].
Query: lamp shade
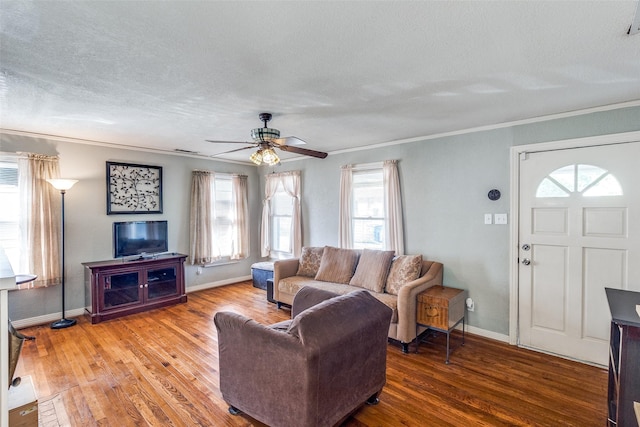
[
  {"x": 270, "y": 157},
  {"x": 62, "y": 184}
]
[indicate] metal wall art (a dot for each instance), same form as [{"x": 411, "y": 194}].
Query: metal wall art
[{"x": 133, "y": 189}]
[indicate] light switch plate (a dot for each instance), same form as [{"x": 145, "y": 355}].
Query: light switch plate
[
  {"x": 488, "y": 219},
  {"x": 500, "y": 218}
]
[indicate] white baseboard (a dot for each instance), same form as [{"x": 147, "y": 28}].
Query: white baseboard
[
  {"x": 50, "y": 318},
  {"x": 217, "y": 283},
  {"x": 485, "y": 333},
  {"x": 47, "y": 318}
]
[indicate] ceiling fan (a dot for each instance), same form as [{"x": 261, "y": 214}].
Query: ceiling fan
[{"x": 265, "y": 139}]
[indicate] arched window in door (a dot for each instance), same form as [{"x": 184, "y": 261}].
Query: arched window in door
[{"x": 587, "y": 180}]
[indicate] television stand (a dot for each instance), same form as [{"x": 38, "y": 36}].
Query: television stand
[{"x": 117, "y": 288}]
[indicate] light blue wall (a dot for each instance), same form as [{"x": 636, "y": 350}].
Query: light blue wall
[
  {"x": 88, "y": 229},
  {"x": 445, "y": 182}
]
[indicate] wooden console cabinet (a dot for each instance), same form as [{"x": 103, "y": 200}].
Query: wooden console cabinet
[
  {"x": 624, "y": 357},
  {"x": 117, "y": 288}
]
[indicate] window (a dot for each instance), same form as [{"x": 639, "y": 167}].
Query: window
[
  {"x": 368, "y": 209},
  {"x": 281, "y": 234},
  {"x": 281, "y": 217},
  {"x": 219, "y": 226},
  {"x": 587, "y": 180},
  {"x": 223, "y": 217},
  {"x": 9, "y": 213}
]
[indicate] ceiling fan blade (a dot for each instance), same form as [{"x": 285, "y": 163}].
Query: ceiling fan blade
[
  {"x": 229, "y": 142},
  {"x": 305, "y": 151},
  {"x": 288, "y": 140},
  {"x": 232, "y": 151}
]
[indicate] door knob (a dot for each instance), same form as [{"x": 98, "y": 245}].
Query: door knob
[{"x": 526, "y": 261}]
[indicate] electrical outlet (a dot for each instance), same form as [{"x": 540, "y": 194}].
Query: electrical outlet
[
  {"x": 199, "y": 270},
  {"x": 471, "y": 305}
]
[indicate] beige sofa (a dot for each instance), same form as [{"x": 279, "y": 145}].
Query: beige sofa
[
  {"x": 395, "y": 281},
  {"x": 311, "y": 371}
]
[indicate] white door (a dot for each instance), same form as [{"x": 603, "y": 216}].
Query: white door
[{"x": 579, "y": 232}]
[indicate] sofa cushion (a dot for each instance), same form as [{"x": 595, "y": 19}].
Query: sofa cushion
[
  {"x": 372, "y": 270},
  {"x": 309, "y": 262},
  {"x": 404, "y": 269},
  {"x": 337, "y": 265},
  {"x": 293, "y": 284}
]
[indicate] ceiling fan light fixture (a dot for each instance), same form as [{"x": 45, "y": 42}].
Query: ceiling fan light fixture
[
  {"x": 270, "y": 157},
  {"x": 256, "y": 157},
  {"x": 264, "y": 134}
]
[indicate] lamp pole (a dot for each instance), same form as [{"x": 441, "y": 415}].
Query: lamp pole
[{"x": 63, "y": 185}]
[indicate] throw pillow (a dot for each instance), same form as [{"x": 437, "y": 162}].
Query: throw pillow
[
  {"x": 309, "y": 262},
  {"x": 337, "y": 265},
  {"x": 372, "y": 270},
  {"x": 404, "y": 269}
]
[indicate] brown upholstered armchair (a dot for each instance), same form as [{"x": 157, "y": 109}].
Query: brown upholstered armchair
[{"x": 313, "y": 370}]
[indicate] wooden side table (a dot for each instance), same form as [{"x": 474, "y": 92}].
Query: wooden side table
[{"x": 441, "y": 309}]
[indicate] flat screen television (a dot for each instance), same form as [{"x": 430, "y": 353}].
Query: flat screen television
[{"x": 139, "y": 238}]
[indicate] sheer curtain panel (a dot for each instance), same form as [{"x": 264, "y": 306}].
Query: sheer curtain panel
[
  {"x": 40, "y": 219},
  {"x": 394, "y": 229},
  {"x": 200, "y": 218},
  {"x": 240, "y": 199},
  {"x": 345, "y": 233}
]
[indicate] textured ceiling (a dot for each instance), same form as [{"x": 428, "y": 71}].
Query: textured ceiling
[{"x": 170, "y": 74}]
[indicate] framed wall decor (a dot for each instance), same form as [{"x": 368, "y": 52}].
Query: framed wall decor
[{"x": 133, "y": 189}]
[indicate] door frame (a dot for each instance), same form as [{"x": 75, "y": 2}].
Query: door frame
[{"x": 514, "y": 193}]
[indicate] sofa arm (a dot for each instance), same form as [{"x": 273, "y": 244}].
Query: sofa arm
[
  {"x": 250, "y": 379},
  {"x": 282, "y": 269},
  {"x": 407, "y": 301}
]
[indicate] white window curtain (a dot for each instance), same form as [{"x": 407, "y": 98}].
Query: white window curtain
[
  {"x": 240, "y": 195},
  {"x": 290, "y": 182},
  {"x": 345, "y": 232},
  {"x": 40, "y": 219},
  {"x": 394, "y": 229},
  {"x": 200, "y": 224}
]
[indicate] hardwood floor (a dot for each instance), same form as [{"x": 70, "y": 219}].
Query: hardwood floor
[{"x": 160, "y": 368}]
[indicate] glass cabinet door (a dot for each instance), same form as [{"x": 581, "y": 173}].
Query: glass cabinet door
[
  {"x": 162, "y": 282},
  {"x": 120, "y": 289}
]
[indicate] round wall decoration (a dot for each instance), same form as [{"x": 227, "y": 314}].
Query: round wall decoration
[{"x": 494, "y": 194}]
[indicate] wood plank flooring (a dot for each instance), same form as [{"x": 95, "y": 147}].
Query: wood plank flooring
[{"x": 160, "y": 368}]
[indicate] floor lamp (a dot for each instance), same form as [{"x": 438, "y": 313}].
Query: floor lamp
[{"x": 62, "y": 185}]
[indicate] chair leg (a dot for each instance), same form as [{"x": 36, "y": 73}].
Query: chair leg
[
  {"x": 234, "y": 411},
  {"x": 373, "y": 400}
]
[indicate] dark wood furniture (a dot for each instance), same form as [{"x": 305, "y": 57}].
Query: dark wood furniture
[
  {"x": 441, "y": 309},
  {"x": 624, "y": 357},
  {"x": 117, "y": 288}
]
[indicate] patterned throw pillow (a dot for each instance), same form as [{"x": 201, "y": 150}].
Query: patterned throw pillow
[
  {"x": 337, "y": 265},
  {"x": 309, "y": 262},
  {"x": 372, "y": 270},
  {"x": 404, "y": 269}
]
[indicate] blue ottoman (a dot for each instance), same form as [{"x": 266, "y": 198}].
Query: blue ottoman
[{"x": 260, "y": 273}]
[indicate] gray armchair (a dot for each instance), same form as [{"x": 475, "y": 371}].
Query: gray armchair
[{"x": 313, "y": 370}]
